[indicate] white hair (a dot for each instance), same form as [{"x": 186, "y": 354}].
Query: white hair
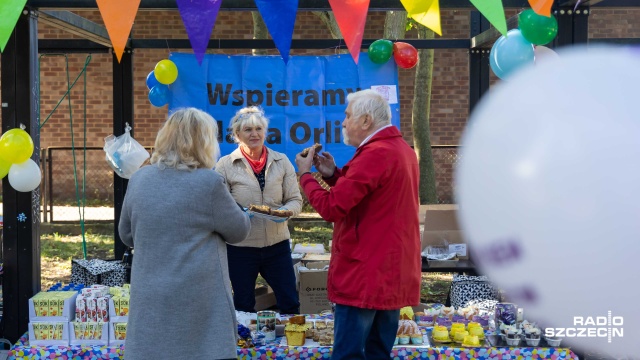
[
  {"x": 369, "y": 102},
  {"x": 251, "y": 115}
]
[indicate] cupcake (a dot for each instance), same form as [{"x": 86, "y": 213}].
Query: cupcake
[
  {"x": 459, "y": 336},
  {"x": 416, "y": 339},
  {"x": 447, "y": 312},
  {"x": 471, "y": 340},
  {"x": 403, "y": 339},
  {"x": 476, "y": 331},
  {"x": 532, "y": 336},
  {"x": 440, "y": 333}
]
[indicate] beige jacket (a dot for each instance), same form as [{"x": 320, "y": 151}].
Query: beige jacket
[{"x": 280, "y": 189}]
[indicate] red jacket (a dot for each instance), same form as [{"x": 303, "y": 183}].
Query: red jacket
[{"x": 375, "y": 253}]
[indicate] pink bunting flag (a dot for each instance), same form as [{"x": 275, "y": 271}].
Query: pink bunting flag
[
  {"x": 351, "y": 16},
  {"x": 9, "y": 13},
  {"x": 199, "y": 17}
]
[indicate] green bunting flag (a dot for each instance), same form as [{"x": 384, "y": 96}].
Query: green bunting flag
[{"x": 9, "y": 12}]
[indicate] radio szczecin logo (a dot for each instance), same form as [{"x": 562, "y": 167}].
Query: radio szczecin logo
[{"x": 589, "y": 326}]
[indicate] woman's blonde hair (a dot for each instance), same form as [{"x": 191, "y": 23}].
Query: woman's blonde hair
[
  {"x": 251, "y": 115},
  {"x": 187, "y": 140}
]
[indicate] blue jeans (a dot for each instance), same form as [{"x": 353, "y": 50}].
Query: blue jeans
[
  {"x": 364, "y": 333},
  {"x": 274, "y": 264}
]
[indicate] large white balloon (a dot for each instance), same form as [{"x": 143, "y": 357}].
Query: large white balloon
[
  {"x": 25, "y": 176},
  {"x": 549, "y": 194},
  {"x": 543, "y": 53}
]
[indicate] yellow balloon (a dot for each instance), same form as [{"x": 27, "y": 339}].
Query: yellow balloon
[
  {"x": 16, "y": 146},
  {"x": 166, "y": 72},
  {"x": 4, "y": 168}
]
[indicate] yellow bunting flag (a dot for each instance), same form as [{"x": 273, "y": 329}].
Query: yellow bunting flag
[
  {"x": 425, "y": 12},
  {"x": 541, "y": 7},
  {"x": 493, "y": 11},
  {"x": 118, "y": 16}
]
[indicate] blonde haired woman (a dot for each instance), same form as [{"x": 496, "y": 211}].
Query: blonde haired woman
[
  {"x": 258, "y": 175},
  {"x": 178, "y": 214}
]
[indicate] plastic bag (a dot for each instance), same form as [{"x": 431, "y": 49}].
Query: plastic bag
[{"x": 124, "y": 154}]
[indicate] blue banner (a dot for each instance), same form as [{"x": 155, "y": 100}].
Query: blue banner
[{"x": 304, "y": 99}]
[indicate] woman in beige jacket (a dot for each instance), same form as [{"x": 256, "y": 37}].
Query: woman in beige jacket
[{"x": 258, "y": 175}]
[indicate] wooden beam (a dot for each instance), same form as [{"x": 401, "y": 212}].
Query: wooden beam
[
  {"x": 488, "y": 37},
  {"x": 75, "y": 24}
]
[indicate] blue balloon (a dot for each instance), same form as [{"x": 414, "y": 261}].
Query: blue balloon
[
  {"x": 151, "y": 80},
  {"x": 510, "y": 53},
  {"x": 159, "y": 95}
]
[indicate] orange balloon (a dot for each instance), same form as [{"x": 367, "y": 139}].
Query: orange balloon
[{"x": 406, "y": 55}]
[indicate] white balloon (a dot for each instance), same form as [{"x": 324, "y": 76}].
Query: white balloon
[
  {"x": 549, "y": 194},
  {"x": 25, "y": 176},
  {"x": 543, "y": 53}
]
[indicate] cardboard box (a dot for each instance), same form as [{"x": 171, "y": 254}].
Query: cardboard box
[
  {"x": 312, "y": 288},
  {"x": 441, "y": 228},
  {"x": 89, "y": 327},
  {"x": 64, "y": 340},
  {"x": 68, "y": 312},
  {"x": 265, "y": 298},
  {"x": 113, "y": 339}
]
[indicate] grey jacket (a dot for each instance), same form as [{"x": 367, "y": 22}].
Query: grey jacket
[
  {"x": 181, "y": 304},
  {"x": 281, "y": 189}
]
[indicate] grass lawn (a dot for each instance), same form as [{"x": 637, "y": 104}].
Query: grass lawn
[{"x": 58, "y": 251}]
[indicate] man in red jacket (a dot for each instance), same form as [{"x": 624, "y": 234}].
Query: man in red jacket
[{"x": 373, "y": 201}]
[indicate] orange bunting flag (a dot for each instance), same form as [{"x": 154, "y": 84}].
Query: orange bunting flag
[
  {"x": 351, "y": 16},
  {"x": 118, "y": 16},
  {"x": 425, "y": 12},
  {"x": 541, "y": 7}
]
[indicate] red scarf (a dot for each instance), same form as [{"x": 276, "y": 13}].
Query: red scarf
[{"x": 256, "y": 165}]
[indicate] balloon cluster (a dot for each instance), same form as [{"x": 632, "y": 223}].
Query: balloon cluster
[
  {"x": 405, "y": 55},
  {"x": 158, "y": 81},
  {"x": 523, "y": 46},
  {"x": 16, "y": 148}
]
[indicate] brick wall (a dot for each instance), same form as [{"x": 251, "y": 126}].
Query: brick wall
[{"x": 450, "y": 88}]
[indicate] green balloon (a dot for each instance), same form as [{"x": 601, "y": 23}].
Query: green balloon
[
  {"x": 380, "y": 51},
  {"x": 537, "y": 29}
]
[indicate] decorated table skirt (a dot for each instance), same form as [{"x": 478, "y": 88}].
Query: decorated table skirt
[{"x": 22, "y": 350}]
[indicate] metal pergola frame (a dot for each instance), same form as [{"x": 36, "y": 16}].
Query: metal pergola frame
[{"x": 21, "y": 246}]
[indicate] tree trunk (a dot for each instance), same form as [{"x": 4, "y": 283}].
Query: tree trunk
[
  {"x": 395, "y": 25},
  {"x": 259, "y": 32},
  {"x": 329, "y": 20},
  {"x": 420, "y": 120}
]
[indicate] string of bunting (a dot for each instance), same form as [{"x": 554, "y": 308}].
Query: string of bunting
[{"x": 199, "y": 17}]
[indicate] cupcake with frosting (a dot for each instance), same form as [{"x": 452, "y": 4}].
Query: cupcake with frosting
[
  {"x": 440, "y": 333},
  {"x": 416, "y": 339}
]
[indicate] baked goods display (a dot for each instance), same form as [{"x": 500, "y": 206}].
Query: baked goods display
[
  {"x": 315, "y": 146},
  {"x": 264, "y": 209}
]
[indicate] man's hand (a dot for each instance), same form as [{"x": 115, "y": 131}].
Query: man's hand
[
  {"x": 325, "y": 164},
  {"x": 304, "y": 163}
]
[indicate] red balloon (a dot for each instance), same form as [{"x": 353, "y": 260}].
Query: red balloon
[{"x": 405, "y": 54}]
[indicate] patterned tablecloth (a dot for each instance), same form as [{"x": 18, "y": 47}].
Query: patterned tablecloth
[
  {"x": 273, "y": 350},
  {"x": 22, "y": 350}
]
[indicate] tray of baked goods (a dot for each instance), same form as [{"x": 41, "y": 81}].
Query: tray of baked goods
[
  {"x": 264, "y": 211},
  {"x": 459, "y": 335}
]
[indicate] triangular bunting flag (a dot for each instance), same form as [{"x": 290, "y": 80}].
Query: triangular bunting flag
[
  {"x": 10, "y": 11},
  {"x": 543, "y": 7},
  {"x": 280, "y": 17},
  {"x": 425, "y": 12},
  {"x": 494, "y": 12},
  {"x": 199, "y": 17},
  {"x": 118, "y": 16},
  {"x": 351, "y": 16}
]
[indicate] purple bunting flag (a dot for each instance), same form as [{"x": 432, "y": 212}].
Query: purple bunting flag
[
  {"x": 280, "y": 18},
  {"x": 199, "y": 17}
]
